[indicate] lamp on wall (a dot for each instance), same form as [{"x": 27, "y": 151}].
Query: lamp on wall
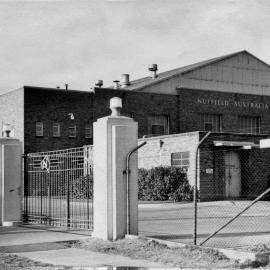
[
  {"x": 6, "y": 130},
  {"x": 71, "y": 115},
  {"x": 161, "y": 143}
]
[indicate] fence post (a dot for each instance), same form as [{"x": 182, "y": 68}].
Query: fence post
[
  {"x": 195, "y": 195},
  {"x": 68, "y": 202},
  {"x": 25, "y": 178},
  {"x": 114, "y": 137}
]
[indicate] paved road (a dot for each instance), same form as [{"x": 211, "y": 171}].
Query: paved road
[{"x": 175, "y": 222}]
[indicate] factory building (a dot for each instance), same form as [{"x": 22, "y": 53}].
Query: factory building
[{"x": 228, "y": 96}]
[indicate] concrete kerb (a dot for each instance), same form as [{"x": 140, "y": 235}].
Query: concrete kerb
[{"x": 240, "y": 256}]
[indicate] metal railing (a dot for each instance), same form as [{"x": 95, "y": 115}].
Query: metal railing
[{"x": 58, "y": 188}]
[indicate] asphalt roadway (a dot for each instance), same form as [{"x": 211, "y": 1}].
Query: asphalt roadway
[{"x": 175, "y": 222}]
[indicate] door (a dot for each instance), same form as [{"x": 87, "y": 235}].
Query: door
[{"x": 232, "y": 175}]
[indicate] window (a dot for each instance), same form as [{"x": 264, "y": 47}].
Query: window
[
  {"x": 39, "y": 129},
  {"x": 88, "y": 131},
  {"x": 210, "y": 122},
  {"x": 72, "y": 131},
  {"x": 250, "y": 124},
  {"x": 180, "y": 159},
  {"x": 56, "y": 130},
  {"x": 158, "y": 125}
]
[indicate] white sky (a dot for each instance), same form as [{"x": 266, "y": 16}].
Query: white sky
[{"x": 50, "y": 43}]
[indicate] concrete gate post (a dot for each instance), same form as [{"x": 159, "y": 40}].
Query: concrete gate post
[
  {"x": 114, "y": 137},
  {"x": 10, "y": 181}
]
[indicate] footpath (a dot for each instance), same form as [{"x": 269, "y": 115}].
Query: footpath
[{"x": 45, "y": 244}]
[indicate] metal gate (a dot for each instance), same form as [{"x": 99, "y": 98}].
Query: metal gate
[{"x": 58, "y": 188}]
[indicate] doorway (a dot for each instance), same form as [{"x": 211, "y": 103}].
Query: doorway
[{"x": 232, "y": 174}]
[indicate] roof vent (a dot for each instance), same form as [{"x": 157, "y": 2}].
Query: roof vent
[
  {"x": 99, "y": 83},
  {"x": 153, "y": 69},
  {"x": 125, "y": 80},
  {"x": 66, "y": 86},
  {"x": 116, "y": 84}
]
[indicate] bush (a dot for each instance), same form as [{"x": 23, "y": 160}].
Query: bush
[{"x": 164, "y": 183}]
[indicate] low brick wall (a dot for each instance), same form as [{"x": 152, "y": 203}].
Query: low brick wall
[{"x": 158, "y": 150}]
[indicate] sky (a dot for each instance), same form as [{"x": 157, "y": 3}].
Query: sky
[{"x": 50, "y": 43}]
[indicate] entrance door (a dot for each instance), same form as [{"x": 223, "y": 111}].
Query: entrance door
[{"x": 232, "y": 175}]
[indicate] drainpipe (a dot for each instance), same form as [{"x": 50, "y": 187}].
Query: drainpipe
[
  {"x": 128, "y": 172},
  {"x": 195, "y": 194}
]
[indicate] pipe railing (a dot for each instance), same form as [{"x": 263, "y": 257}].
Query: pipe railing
[{"x": 128, "y": 172}]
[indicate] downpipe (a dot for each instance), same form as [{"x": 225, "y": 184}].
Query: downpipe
[{"x": 127, "y": 171}]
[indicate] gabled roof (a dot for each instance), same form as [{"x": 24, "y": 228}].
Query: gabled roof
[{"x": 147, "y": 81}]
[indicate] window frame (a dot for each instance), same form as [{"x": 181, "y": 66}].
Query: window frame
[
  {"x": 244, "y": 126},
  {"x": 151, "y": 122},
  {"x": 90, "y": 127},
  {"x": 213, "y": 119},
  {"x": 39, "y": 125},
  {"x": 183, "y": 157},
  {"x": 74, "y": 127},
  {"x": 58, "y": 134}
]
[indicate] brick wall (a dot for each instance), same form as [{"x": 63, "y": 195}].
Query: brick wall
[
  {"x": 140, "y": 106},
  {"x": 254, "y": 164},
  {"x": 229, "y": 105},
  {"x": 49, "y": 106},
  {"x": 53, "y": 105},
  {"x": 154, "y": 154}
]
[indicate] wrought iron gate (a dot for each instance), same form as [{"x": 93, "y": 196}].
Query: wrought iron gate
[{"x": 58, "y": 188}]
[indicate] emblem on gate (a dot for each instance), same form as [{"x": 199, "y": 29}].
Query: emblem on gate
[{"x": 45, "y": 164}]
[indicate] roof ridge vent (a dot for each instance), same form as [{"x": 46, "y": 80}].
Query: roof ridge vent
[
  {"x": 153, "y": 68},
  {"x": 99, "y": 83},
  {"x": 125, "y": 80},
  {"x": 116, "y": 84}
]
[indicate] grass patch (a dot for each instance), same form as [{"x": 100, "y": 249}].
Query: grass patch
[
  {"x": 14, "y": 262},
  {"x": 155, "y": 252},
  {"x": 263, "y": 248}
]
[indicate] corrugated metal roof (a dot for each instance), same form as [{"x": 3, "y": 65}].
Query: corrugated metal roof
[{"x": 147, "y": 81}]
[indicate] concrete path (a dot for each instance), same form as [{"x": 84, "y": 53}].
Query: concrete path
[
  {"x": 23, "y": 235},
  {"x": 43, "y": 244},
  {"x": 84, "y": 258}
]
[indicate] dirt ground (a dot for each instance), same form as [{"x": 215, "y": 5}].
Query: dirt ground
[{"x": 187, "y": 257}]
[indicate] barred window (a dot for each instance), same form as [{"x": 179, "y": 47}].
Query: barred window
[
  {"x": 56, "y": 130},
  {"x": 72, "y": 131},
  {"x": 88, "y": 131},
  {"x": 180, "y": 159},
  {"x": 211, "y": 122},
  {"x": 39, "y": 129},
  {"x": 158, "y": 125},
  {"x": 250, "y": 124}
]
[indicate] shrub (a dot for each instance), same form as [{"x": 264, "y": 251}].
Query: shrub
[{"x": 164, "y": 183}]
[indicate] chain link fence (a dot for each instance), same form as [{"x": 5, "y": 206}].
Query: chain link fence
[
  {"x": 229, "y": 180},
  {"x": 227, "y": 191}
]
